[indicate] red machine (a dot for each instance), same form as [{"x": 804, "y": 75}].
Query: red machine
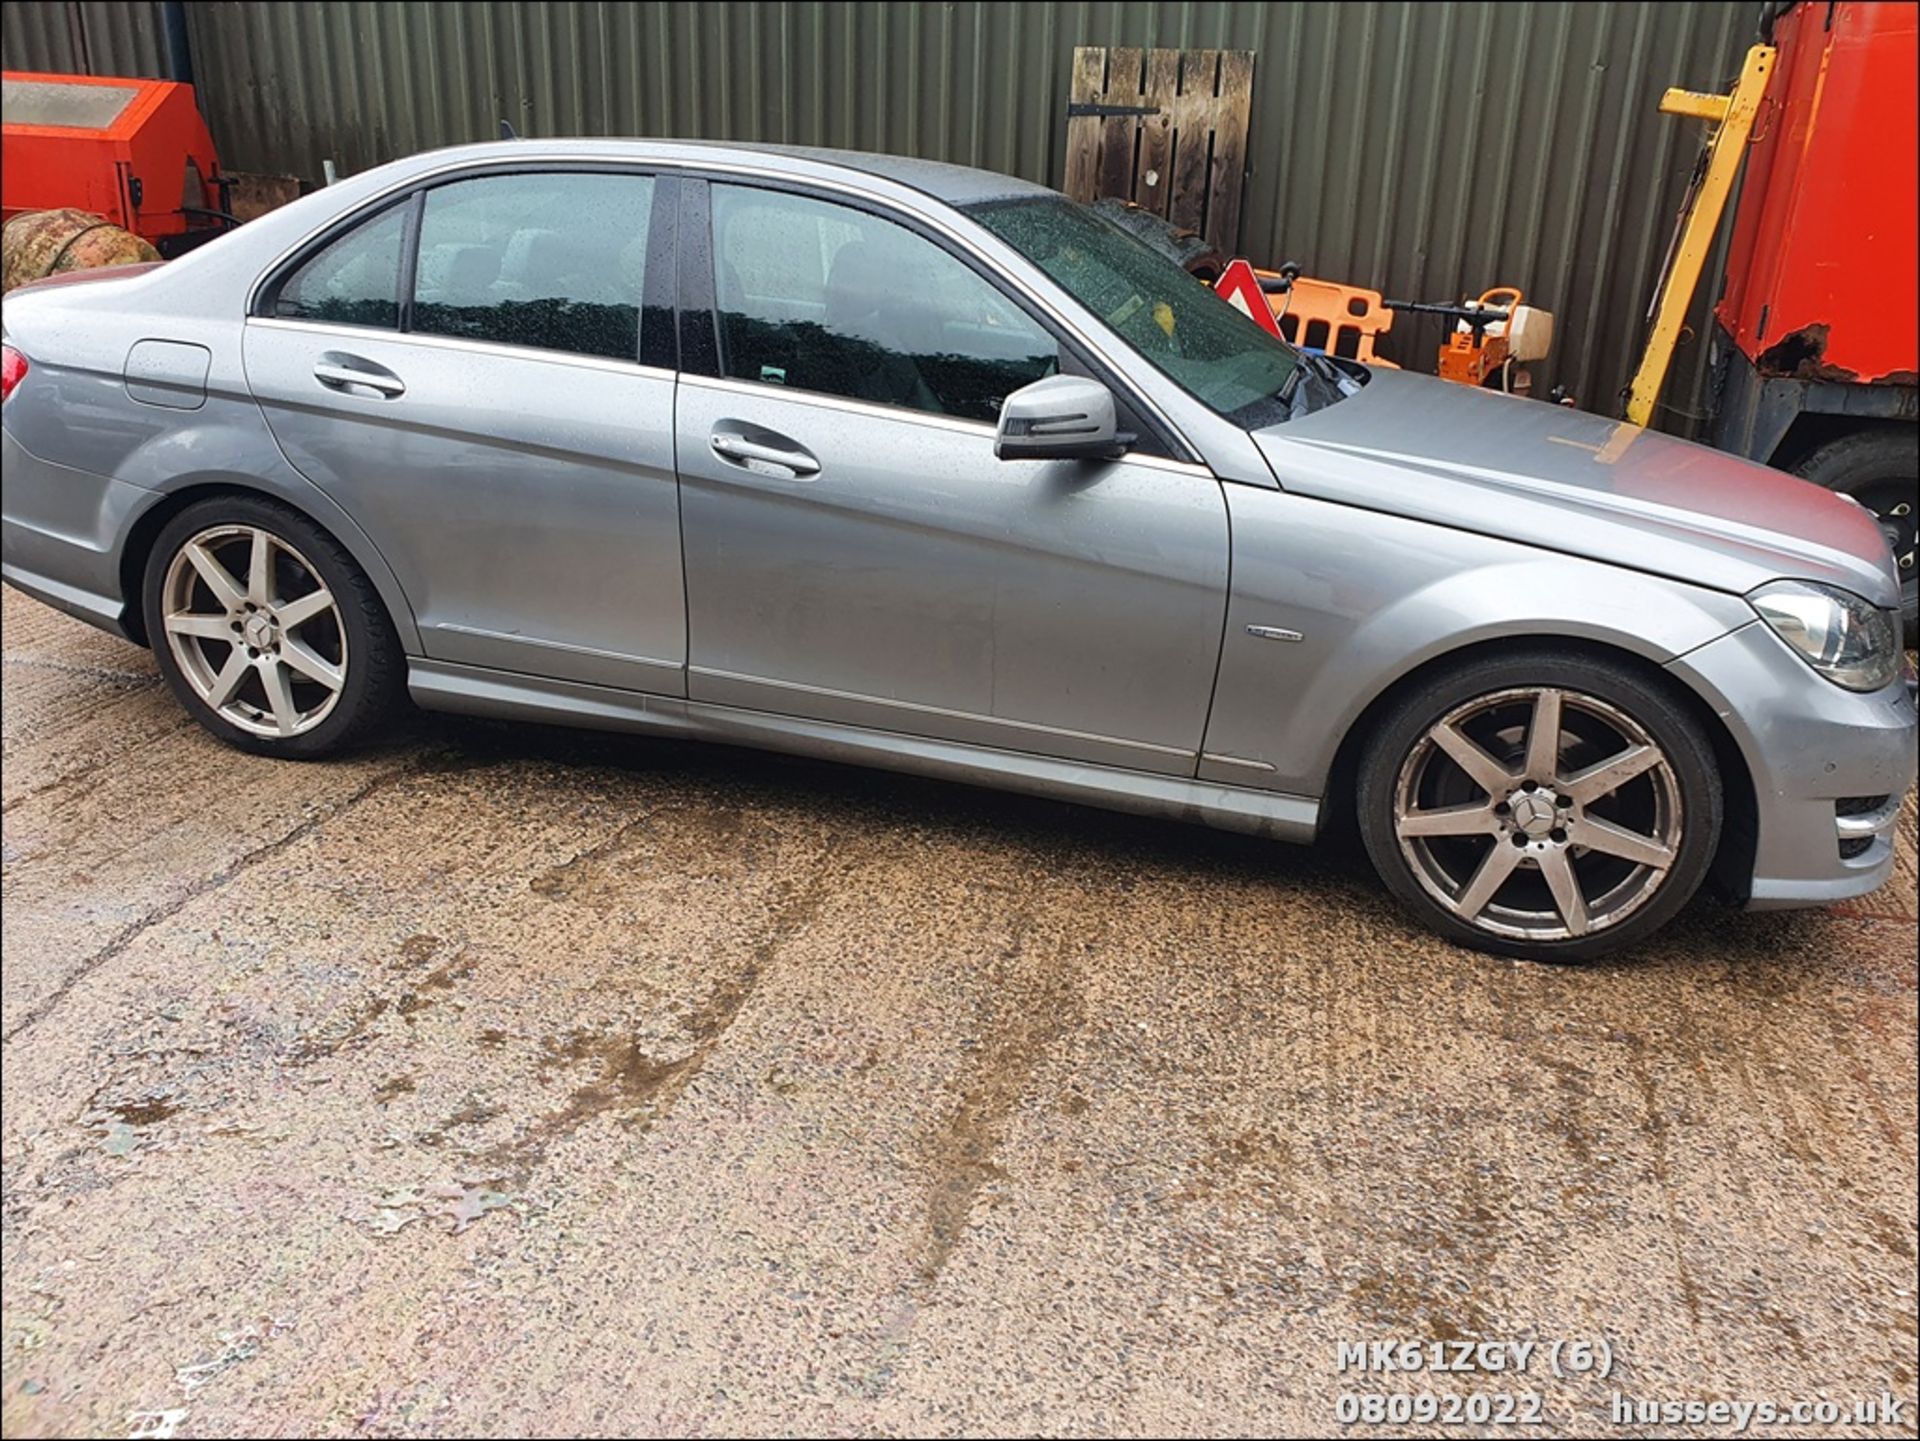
[
  {"x": 134, "y": 151},
  {"x": 1817, "y": 333}
]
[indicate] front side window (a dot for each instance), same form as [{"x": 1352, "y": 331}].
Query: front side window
[
  {"x": 552, "y": 261},
  {"x": 821, "y": 297},
  {"x": 1177, "y": 325},
  {"x": 353, "y": 279}
]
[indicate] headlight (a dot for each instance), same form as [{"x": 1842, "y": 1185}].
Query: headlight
[{"x": 1850, "y": 642}]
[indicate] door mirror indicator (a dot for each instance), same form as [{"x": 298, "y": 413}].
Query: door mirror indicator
[{"x": 1062, "y": 417}]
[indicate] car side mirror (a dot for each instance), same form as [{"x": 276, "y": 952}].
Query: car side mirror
[{"x": 1063, "y": 417}]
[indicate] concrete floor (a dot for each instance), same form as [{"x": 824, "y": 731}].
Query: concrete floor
[{"x": 512, "y": 1081}]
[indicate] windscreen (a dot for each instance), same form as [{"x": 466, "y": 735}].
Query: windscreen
[{"x": 1174, "y": 321}]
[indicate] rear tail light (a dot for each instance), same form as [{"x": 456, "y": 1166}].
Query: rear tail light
[{"x": 13, "y": 369}]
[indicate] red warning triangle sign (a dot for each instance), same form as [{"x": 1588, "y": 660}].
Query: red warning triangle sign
[{"x": 1240, "y": 288}]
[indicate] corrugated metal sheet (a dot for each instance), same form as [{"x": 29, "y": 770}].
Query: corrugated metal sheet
[
  {"x": 1428, "y": 150},
  {"x": 40, "y": 37},
  {"x": 83, "y": 37}
]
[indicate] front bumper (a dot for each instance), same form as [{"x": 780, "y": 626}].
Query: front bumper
[{"x": 1830, "y": 767}]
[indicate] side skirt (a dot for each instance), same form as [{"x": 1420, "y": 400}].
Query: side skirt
[{"x": 502, "y": 695}]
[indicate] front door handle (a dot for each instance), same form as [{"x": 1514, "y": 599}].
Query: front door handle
[
  {"x": 340, "y": 370},
  {"x": 736, "y": 447}
]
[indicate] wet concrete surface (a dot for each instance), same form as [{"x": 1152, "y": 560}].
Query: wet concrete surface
[{"x": 513, "y": 1080}]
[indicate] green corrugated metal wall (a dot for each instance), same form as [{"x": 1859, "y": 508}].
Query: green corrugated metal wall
[
  {"x": 83, "y": 37},
  {"x": 1427, "y": 150}
]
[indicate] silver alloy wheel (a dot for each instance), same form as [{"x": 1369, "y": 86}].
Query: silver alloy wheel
[
  {"x": 254, "y": 630},
  {"x": 1539, "y": 813}
]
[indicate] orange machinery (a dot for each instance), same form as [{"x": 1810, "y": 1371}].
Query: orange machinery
[
  {"x": 1488, "y": 339},
  {"x": 134, "y": 151}
]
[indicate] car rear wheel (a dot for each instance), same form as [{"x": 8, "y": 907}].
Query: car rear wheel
[
  {"x": 267, "y": 631},
  {"x": 1541, "y": 806}
]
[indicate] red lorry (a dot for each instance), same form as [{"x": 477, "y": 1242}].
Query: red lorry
[{"x": 1817, "y": 330}]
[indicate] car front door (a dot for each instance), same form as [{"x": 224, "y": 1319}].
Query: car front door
[
  {"x": 462, "y": 373},
  {"x": 855, "y": 552}
]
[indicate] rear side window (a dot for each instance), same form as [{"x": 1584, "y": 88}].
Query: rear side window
[
  {"x": 823, "y": 297},
  {"x": 551, "y": 261},
  {"x": 353, "y": 279}
]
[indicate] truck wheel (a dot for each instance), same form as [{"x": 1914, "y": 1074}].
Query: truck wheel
[{"x": 1880, "y": 468}]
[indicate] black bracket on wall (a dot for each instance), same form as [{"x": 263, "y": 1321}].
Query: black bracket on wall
[{"x": 1087, "y": 108}]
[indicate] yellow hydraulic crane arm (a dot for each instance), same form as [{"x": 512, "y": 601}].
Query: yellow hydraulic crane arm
[{"x": 1732, "y": 119}]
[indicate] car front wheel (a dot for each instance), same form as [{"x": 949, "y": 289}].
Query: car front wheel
[
  {"x": 1541, "y": 806},
  {"x": 267, "y": 631}
]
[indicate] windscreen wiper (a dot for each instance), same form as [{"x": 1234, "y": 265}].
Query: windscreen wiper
[
  {"x": 1324, "y": 367},
  {"x": 1289, "y": 385}
]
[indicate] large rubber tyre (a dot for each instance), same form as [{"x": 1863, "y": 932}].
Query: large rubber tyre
[
  {"x": 1600, "y": 699},
  {"x": 1880, "y": 468},
  {"x": 351, "y": 639}
]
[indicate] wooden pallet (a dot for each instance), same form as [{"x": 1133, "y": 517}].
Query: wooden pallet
[{"x": 1166, "y": 129}]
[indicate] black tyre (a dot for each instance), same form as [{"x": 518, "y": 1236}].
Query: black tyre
[
  {"x": 1538, "y": 805},
  {"x": 1880, "y": 468},
  {"x": 267, "y": 631}
]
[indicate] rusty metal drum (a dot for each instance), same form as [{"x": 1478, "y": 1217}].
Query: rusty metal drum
[{"x": 40, "y": 243}]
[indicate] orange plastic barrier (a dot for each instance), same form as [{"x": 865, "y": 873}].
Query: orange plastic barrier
[{"x": 1342, "y": 320}]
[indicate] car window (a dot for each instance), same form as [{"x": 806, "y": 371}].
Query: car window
[
  {"x": 821, "y": 297},
  {"x": 552, "y": 261},
  {"x": 352, "y": 280}
]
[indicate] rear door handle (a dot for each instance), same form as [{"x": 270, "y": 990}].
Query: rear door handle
[
  {"x": 735, "y": 447},
  {"x": 339, "y": 371}
]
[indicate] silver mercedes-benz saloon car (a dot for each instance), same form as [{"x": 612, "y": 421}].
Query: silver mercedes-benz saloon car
[{"x": 922, "y": 467}]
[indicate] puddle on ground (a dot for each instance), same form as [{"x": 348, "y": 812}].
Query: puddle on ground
[
  {"x": 416, "y": 951},
  {"x": 146, "y": 1111},
  {"x": 331, "y": 1040},
  {"x": 440, "y": 979},
  {"x": 390, "y": 1088},
  {"x": 632, "y": 1085},
  {"x": 474, "y": 1113},
  {"x": 1034, "y": 1008}
]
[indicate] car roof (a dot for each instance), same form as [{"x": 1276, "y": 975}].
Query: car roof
[{"x": 953, "y": 184}]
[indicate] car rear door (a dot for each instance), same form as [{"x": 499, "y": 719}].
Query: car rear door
[
  {"x": 481, "y": 374},
  {"x": 854, "y": 550}
]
